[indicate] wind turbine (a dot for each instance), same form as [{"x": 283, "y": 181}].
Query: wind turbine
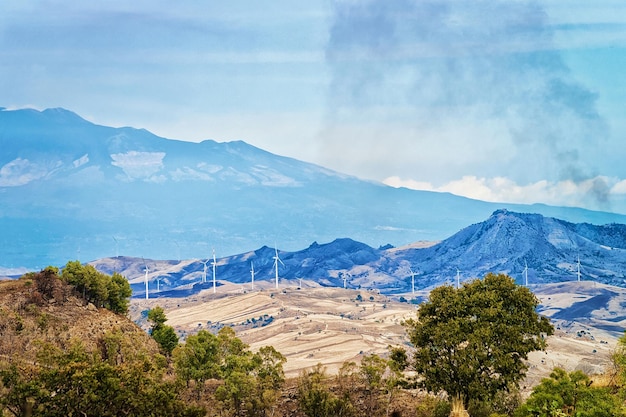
[
  {"x": 276, "y": 261},
  {"x": 525, "y": 273},
  {"x": 204, "y": 272},
  {"x": 213, "y": 264},
  {"x": 412, "y": 281},
  {"x": 345, "y": 279},
  {"x": 458, "y": 278},
  {"x": 252, "y": 273},
  {"x": 145, "y": 278}
]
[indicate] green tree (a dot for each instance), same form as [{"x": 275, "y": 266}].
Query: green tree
[
  {"x": 157, "y": 317},
  {"x": 471, "y": 342},
  {"x": 315, "y": 398},
  {"x": 372, "y": 372},
  {"x": 570, "y": 394},
  {"x": 198, "y": 359},
  {"x": 119, "y": 292},
  {"x": 112, "y": 292},
  {"x": 75, "y": 382},
  {"x": 250, "y": 381},
  {"x": 167, "y": 338},
  {"x": 164, "y": 335}
]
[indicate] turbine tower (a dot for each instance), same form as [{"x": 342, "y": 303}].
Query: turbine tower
[
  {"x": 145, "y": 278},
  {"x": 458, "y": 278},
  {"x": 412, "y": 281},
  {"x": 204, "y": 272},
  {"x": 213, "y": 264},
  {"x": 276, "y": 261},
  {"x": 252, "y": 273},
  {"x": 525, "y": 273}
]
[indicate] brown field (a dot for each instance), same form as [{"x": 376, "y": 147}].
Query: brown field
[{"x": 329, "y": 326}]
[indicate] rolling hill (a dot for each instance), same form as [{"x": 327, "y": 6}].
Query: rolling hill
[{"x": 505, "y": 242}]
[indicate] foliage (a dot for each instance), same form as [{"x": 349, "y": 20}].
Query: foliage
[
  {"x": 372, "y": 371},
  {"x": 251, "y": 381},
  {"x": 570, "y": 394},
  {"x": 164, "y": 335},
  {"x": 315, "y": 398},
  {"x": 471, "y": 342},
  {"x": 75, "y": 382},
  {"x": 112, "y": 292},
  {"x": 432, "y": 406},
  {"x": 47, "y": 284},
  {"x": 157, "y": 316}
]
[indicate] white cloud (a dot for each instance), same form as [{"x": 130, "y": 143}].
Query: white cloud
[{"x": 593, "y": 193}]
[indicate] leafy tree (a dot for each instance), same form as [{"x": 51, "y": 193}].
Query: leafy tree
[
  {"x": 119, "y": 292},
  {"x": 198, "y": 359},
  {"x": 471, "y": 342},
  {"x": 79, "y": 383},
  {"x": 372, "y": 371},
  {"x": 157, "y": 316},
  {"x": 112, "y": 292},
  {"x": 251, "y": 381},
  {"x": 315, "y": 398},
  {"x": 164, "y": 335},
  {"x": 570, "y": 394}
]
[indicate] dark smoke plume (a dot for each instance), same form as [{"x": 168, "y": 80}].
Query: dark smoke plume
[{"x": 432, "y": 64}]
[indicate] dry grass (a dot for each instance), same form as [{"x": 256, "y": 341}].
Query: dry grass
[
  {"x": 327, "y": 325},
  {"x": 308, "y": 326},
  {"x": 24, "y": 324}
]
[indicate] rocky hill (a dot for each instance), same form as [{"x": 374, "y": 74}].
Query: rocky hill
[
  {"x": 531, "y": 248},
  {"x": 28, "y": 321}
]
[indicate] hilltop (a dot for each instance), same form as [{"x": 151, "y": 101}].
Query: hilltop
[
  {"x": 529, "y": 247},
  {"x": 27, "y": 320}
]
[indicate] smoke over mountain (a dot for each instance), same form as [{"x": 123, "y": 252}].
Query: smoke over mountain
[{"x": 459, "y": 73}]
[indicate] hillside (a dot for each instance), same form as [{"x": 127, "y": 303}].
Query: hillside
[
  {"x": 313, "y": 324},
  {"x": 27, "y": 321},
  {"x": 73, "y": 189},
  {"x": 506, "y": 242}
]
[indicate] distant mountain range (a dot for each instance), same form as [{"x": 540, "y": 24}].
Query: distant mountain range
[
  {"x": 552, "y": 250},
  {"x": 70, "y": 189}
]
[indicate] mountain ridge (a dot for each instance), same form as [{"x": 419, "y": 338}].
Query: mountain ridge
[
  {"x": 71, "y": 189},
  {"x": 507, "y": 242}
]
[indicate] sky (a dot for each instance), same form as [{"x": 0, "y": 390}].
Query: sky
[{"x": 499, "y": 100}]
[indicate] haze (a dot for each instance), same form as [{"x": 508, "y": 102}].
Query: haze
[{"x": 513, "y": 101}]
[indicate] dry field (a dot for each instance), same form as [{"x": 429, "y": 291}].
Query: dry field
[{"x": 329, "y": 325}]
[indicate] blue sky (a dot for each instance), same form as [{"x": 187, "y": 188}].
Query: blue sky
[{"x": 519, "y": 101}]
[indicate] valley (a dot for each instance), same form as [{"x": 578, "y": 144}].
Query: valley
[{"x": 313, "y": 324}]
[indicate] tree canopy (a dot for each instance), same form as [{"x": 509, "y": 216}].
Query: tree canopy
[
  {"x": 164, "y": 335},
  {"x": 112, "y": 292},
  {"x": 471, "y": 342},
  {"x": 570, "y": 394},
  {"x": 251, "y": 381}
]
